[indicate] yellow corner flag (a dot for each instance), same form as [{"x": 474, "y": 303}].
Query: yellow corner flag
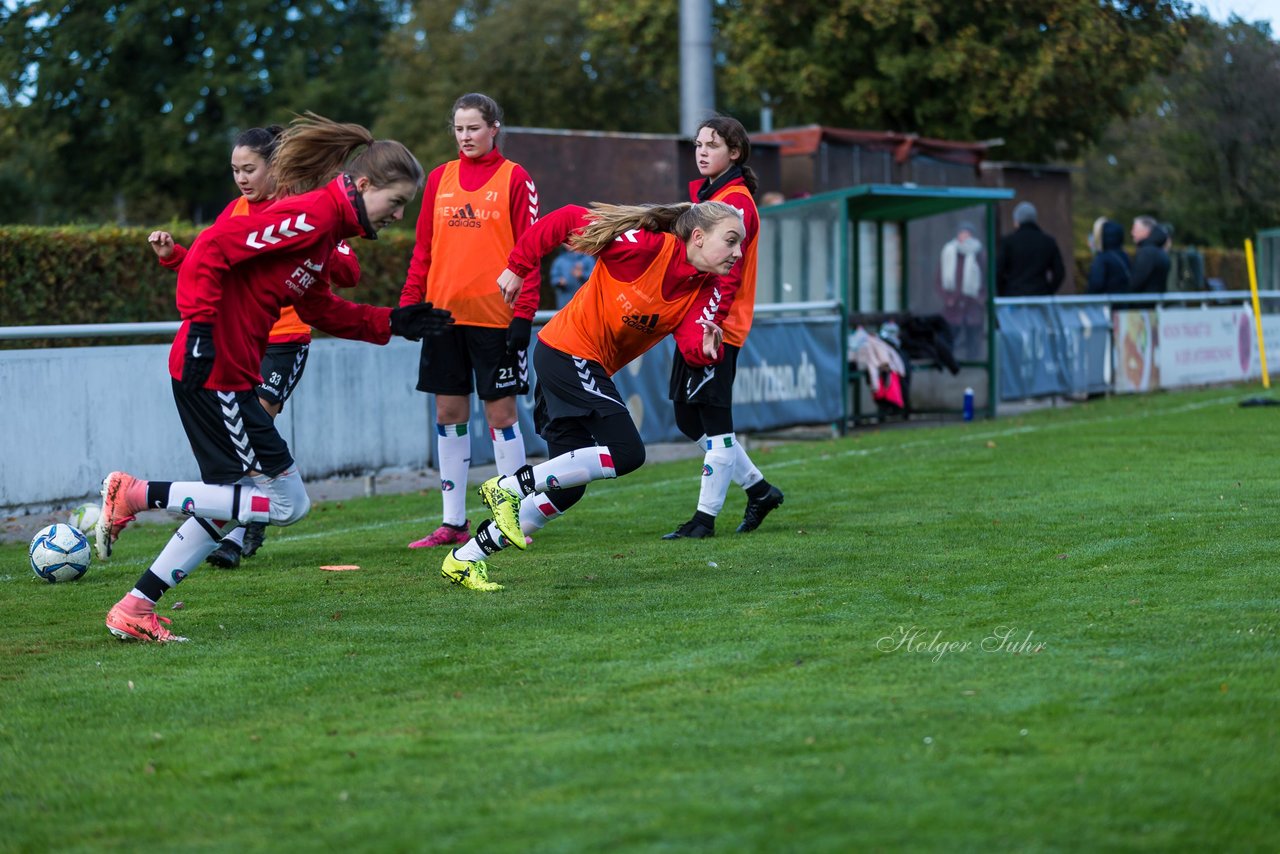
[{"x": 1257, "y": 312}]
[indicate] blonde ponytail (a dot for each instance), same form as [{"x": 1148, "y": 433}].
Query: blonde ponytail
[{"x": 608, "y": 221}]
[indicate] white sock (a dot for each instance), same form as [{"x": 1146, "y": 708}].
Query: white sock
[
  {"x": 717, "y": 472},
  {"x": 470, "y": 550},
  {"x": 454, "y": 449},
  {"x": 487, "y": 542},
  {"x": 194, "y": 541},
  {"x": 535, "y": 512},
  {"x": 575, "y": 468},
  {"x": 745, "y": 473},
  {"x": 218, "y": 501},
  {"x": 236, "y": 536},
  {"x": 508, "y": 448}
]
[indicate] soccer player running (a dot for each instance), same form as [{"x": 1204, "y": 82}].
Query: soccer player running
[
  {"x": 473, "y": 211},
  {"x": 654, "y": 262},
  {"x": 236, "y": 277},
  {"x": 290, "y": 339},
  {"x": 703, "y": 394}
]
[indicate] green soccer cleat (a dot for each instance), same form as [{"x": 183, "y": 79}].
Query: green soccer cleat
[
  {"x": 504, "y": 505},
  {"x": 471, "y": 574}
]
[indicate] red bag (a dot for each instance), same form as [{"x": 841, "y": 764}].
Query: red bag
[{"x": 890, "y": 390}]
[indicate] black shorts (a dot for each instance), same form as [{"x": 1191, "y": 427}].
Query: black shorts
[
  {"x": 570, "y": 388},
  {"x": 450, "y": 360},
  {"x": 282, "y": 367},
  {"x": 230, "y": 434},
  {"x": 709, "y": 386}
]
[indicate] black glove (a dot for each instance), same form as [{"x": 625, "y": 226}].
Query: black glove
[
  {"x": 519, "y": 331},
  {"x": 417, "y": 321},
  {"x": 197, "y": 363}
]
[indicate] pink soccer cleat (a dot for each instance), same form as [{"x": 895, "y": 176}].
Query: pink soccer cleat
[
  {"x": 123, "y": 495},
  {"x": 445, "y": 535},
  {"x": 133, "y": 619}
]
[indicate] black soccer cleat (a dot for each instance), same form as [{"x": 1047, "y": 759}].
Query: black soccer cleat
[
  {"x": 254, "y": 534},
  {"x": 694, "y": 529},
  {"x": 758, "y": 508},
  {"x": 225, "y": 556}
]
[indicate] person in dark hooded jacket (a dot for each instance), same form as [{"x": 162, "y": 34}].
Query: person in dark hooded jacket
[
  {"x": 1110, "y": 271},
  {"x": 1028, "y": 263},
  {"x": 1150, "y": 261}
]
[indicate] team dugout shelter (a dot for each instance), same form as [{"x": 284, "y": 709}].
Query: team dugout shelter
[{"x": 876, "y": 249}]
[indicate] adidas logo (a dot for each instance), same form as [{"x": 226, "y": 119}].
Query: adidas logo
[
  {"x": 646, "y": 323},
  {"x": 465, "y": 217}
]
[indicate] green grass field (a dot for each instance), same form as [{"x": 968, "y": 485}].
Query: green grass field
[{"x": 1055, "y": 632}]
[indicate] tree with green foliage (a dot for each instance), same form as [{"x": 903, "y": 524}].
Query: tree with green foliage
[
  {"x": 542, "y": 60},
  {"x": 128, "y": 109},
  {"x": 1046, "y": 77},
  {"x": 1204, "y": 151}
]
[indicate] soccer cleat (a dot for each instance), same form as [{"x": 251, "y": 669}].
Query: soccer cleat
[
  {"x": 758, "y": 508},
  {"x": 116, "y": 511},
  {"x": 472, "y": 574},
  {"x": 693, "y": 530},
  {"x": 226, "y": 555},
  {"x": 504, "y": 505},
  {"x": 445, "y": 535},
  {"x": 137, "y": 620},
  {"x": 254, "y": 534}
]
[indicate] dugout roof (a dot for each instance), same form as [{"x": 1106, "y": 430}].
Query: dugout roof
[{"x": 898, "y": 202}]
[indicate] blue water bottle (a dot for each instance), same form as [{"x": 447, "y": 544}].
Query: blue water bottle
[{"x": 968, "y": 404}]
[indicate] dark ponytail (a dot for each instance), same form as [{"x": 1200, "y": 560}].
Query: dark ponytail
[
  {"x": 261, "y": 141},
  {"x": 735, "y": 136}
]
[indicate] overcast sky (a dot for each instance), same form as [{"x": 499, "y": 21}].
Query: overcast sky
[{"x": 1250, "y": 10}]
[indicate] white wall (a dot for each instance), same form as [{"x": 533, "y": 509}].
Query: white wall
[{"x": 69, "y": 416}]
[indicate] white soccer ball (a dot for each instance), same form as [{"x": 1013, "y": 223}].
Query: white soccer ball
[
  {"x": 60, "y": 553},
  {"x": 85, "y": 517}
]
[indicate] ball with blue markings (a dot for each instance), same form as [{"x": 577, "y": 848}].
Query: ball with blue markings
[{"x": 60, "y": 553}]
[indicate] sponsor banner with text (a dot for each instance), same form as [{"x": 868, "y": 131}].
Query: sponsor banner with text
[{"x": 1199, "y": 346}]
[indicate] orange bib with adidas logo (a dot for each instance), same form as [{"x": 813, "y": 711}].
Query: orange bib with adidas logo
[
  {"x": 471, "y": 237},
  {"x": 611, "y": 321},
  {"x": 738, "y": 323}
]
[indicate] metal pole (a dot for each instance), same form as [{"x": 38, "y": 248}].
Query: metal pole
[{"x": 697, "y": 78}]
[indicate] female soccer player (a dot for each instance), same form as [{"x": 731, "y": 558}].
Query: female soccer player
[
  {"x": 237, "y": 276},
  {"x": 290, "y": 339},
  {"x": 473, "y": 211},
  {"x": 703, "y": 394},
  {"x": 653, "y": 264}
]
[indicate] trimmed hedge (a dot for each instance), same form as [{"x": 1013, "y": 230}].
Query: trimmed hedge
[{"x": 93, "y": 274}]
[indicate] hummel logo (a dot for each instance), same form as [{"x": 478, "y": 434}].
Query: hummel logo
[
  {"x": 646, "y": 323},
  {"x": 288, "y": 227}
]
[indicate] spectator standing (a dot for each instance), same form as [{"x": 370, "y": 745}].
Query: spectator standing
[
  {"x": 1150, "y": 260},
  {"x": 569, "y": 272},
  {"x": 962, "y": 287},
  {"x": 1029, "y": 263},
  {"x": 1110, "y": 271}
]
